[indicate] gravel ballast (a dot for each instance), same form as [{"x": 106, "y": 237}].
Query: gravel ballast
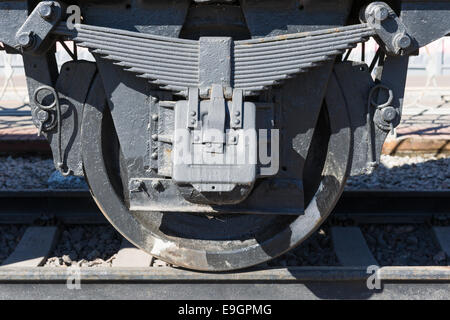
[
  {"x": 403, "y": 245},
  {"x": 25, "y": 172},
  {"x": 396, "y": 173},
  {"x": 86, "y": 246},
  {"x": 391, "y": 245},
  {"x": 97, "y": 246},
  {"x": 405, "y": 173}
]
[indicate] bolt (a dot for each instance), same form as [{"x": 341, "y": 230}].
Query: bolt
[
  {"x": 380, "y": 12},
  {"x": 42, "y": 115},
  {"x": 154, "y": 117},
  {"x": 402, "y": 41},
  {"x": 237, "y": 121},
  {"x": 388, "y": 114},
  {"x": 154, "y": 137},
  {"x": 25, "y": 39},
  {"x": 156, "y": 184},
  {"x": 136, "y": 185},
  {"x": 154, "y": 155},
  {"x": 193, "y": 113},
  {"x": 46, "y": 11},
  {"x": 237, "y": 113}
]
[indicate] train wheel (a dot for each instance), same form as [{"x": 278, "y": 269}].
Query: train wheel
[{"x": 227, "y": 242}]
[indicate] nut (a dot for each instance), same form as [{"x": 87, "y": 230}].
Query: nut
[
  {"x": 388, "y": 114},
  {"x": 25, "y": 39},
  {"x": 379, "y": 12},
  {"x": 46, "y": 11},
  {"x": 402, "y": 41},
  {"x": 156, "y": 184},
  {"x": 42, "y": 115}
]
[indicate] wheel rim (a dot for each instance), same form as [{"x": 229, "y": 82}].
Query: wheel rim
[{"x": 219, "y": 254}]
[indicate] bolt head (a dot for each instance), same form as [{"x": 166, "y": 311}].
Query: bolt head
[
  {"x": 402, "y": 41},
  {"x": 46, "y": 11},
  {"x": 237, "y": 113},
  {"x": 154, "y": 156},
  {"x": 233, "y": 139},
  {"x": 156, "y": 184},
  {"x": 193, "y": 113},
  {"x": 237, "y": 121},
  {"x": 154, "y": 117},
  {"x": 136, "y": 185},
  {"x": 154, "y": 137},
  {"x": 25, "y": 39},
  {"x": 388, "y": 114},
  {"x": 42, "y": 115},
  {"x": 380, "y": 13}
]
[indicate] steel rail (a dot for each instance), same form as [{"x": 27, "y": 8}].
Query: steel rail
[{"x": 389, "y": 273}]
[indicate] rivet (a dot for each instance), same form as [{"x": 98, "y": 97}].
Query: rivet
[
  {"x": 237, "y": 113},
  {"x": 154, "y": 155},
  {"x": 237, "y": 121},
  {"x": 154, "y": 117},
  {"x": 154, "y": 137}
]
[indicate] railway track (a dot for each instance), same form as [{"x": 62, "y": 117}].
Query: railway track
[
  {"x": 77, "y": 206},
  {"x": 357, "y": 273}
]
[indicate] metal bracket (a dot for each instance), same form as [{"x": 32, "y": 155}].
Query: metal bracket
[
  {"x": 236, "y": 113},
  {"x": 214, "y": 131},
  {"x": 53, "y": 105},
  {"x": 33, "y": 34},
  {"x": 389, "y": 28},
  {"x": 193, "y": 109}
]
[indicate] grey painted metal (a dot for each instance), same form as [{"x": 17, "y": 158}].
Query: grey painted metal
[
  {"x": 426, "y": 20},
  {"x": 215, "y": 61},
  {"x": 351, "y": 248},
  {"x": 391, "y": 31},
  {"x": 33, "y": 35},
  {"x": 33, "y": 249},
  {"x": 176, "y": 64},
  {"x": 12, "y": 16},
  {"x": 442, "y": 235},
  {"x": 218, "y": 254}
]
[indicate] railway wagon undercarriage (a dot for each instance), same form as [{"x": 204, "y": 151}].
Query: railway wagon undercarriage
[{"x": 217, "y": 135}]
